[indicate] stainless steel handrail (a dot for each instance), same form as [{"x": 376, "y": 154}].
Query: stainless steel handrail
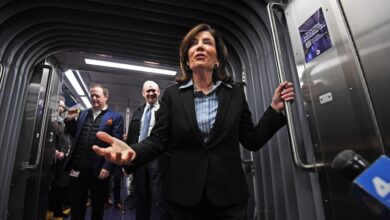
[
  {"x": 1, "y": 74},
  {"x": 288, "y": 109}
]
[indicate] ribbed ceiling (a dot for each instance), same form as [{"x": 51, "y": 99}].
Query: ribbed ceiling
[
  {"x": 138, "y": 30},
  {"x": 127, "y": 30}
]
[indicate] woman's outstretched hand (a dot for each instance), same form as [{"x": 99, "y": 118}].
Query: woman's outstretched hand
[
  {"x": 284, "y": 92},
  {"x": 118, "y": 152}
]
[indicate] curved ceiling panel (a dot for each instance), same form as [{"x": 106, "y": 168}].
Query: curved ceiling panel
[
  {"x": 143, "y": 30},
  {"x": 126, "y": 30}
]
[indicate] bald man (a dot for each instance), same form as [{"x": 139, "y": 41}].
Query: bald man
[{"x": 148, "y": 199}]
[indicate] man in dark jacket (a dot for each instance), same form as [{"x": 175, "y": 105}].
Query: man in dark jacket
[
  {"x": 148, "y": 199},
  {"x": 87, "y": 170}
]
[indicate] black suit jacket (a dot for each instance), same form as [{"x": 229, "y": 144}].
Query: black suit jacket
[
  {"x": 213, "y": 167},
  {"x": 141, "y": 187},
  {"x": 135, "y": 126},
  {"x": 142, "y": 181}
]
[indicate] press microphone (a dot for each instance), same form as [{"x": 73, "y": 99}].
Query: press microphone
[
  {"x": 349, "y": 164},
  {"x": 370, "y": 183}
]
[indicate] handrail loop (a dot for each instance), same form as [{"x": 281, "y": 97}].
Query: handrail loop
[{"x": 288, "y": 109}]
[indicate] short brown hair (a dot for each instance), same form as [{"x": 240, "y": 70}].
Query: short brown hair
[
  {"x": 105, "y": 90},
  {"x": 185, "y": 72}
]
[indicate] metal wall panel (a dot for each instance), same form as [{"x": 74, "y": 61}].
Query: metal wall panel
[
  {"x": 348, "y": 120},
  {"x": 369, "y": 23}
]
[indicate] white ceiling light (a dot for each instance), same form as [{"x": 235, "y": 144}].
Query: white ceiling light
[
  {"x": 151, "y": 62},
  {"x": 82, "y": 82},
  {"x": 74, "y": 82},
  {"x": 86, "y": 101},
  {"x": 129, "y": 67}
]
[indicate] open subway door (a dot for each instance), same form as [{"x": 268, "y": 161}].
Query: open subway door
[
  {"x": 332, "y": 52},
  {"x": 31, "y": 174}
]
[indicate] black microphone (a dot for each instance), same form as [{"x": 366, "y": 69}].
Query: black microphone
[
  {"x": 349, "y": 164},
  {"x": 370, "y": 183}
]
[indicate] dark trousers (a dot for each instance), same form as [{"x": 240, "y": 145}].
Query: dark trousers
[
  {"x": 148, "y": 198},
  {"x": 116, "y": 179},
  {"x": 205, "y": 210},
  {"x": 117, "y": 191},
  {"x": 79, "y": 187}
]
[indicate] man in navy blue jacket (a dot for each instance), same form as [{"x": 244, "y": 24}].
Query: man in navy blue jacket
[{"x": 89, "y": 171}]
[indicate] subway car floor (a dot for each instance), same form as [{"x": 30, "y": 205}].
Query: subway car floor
[{"x": 111, "y": 212}]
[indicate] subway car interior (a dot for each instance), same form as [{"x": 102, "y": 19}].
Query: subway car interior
[{"x": 336, "y": 53}]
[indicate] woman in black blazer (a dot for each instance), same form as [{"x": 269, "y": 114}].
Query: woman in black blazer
[{"x": 201, "y": 121}]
